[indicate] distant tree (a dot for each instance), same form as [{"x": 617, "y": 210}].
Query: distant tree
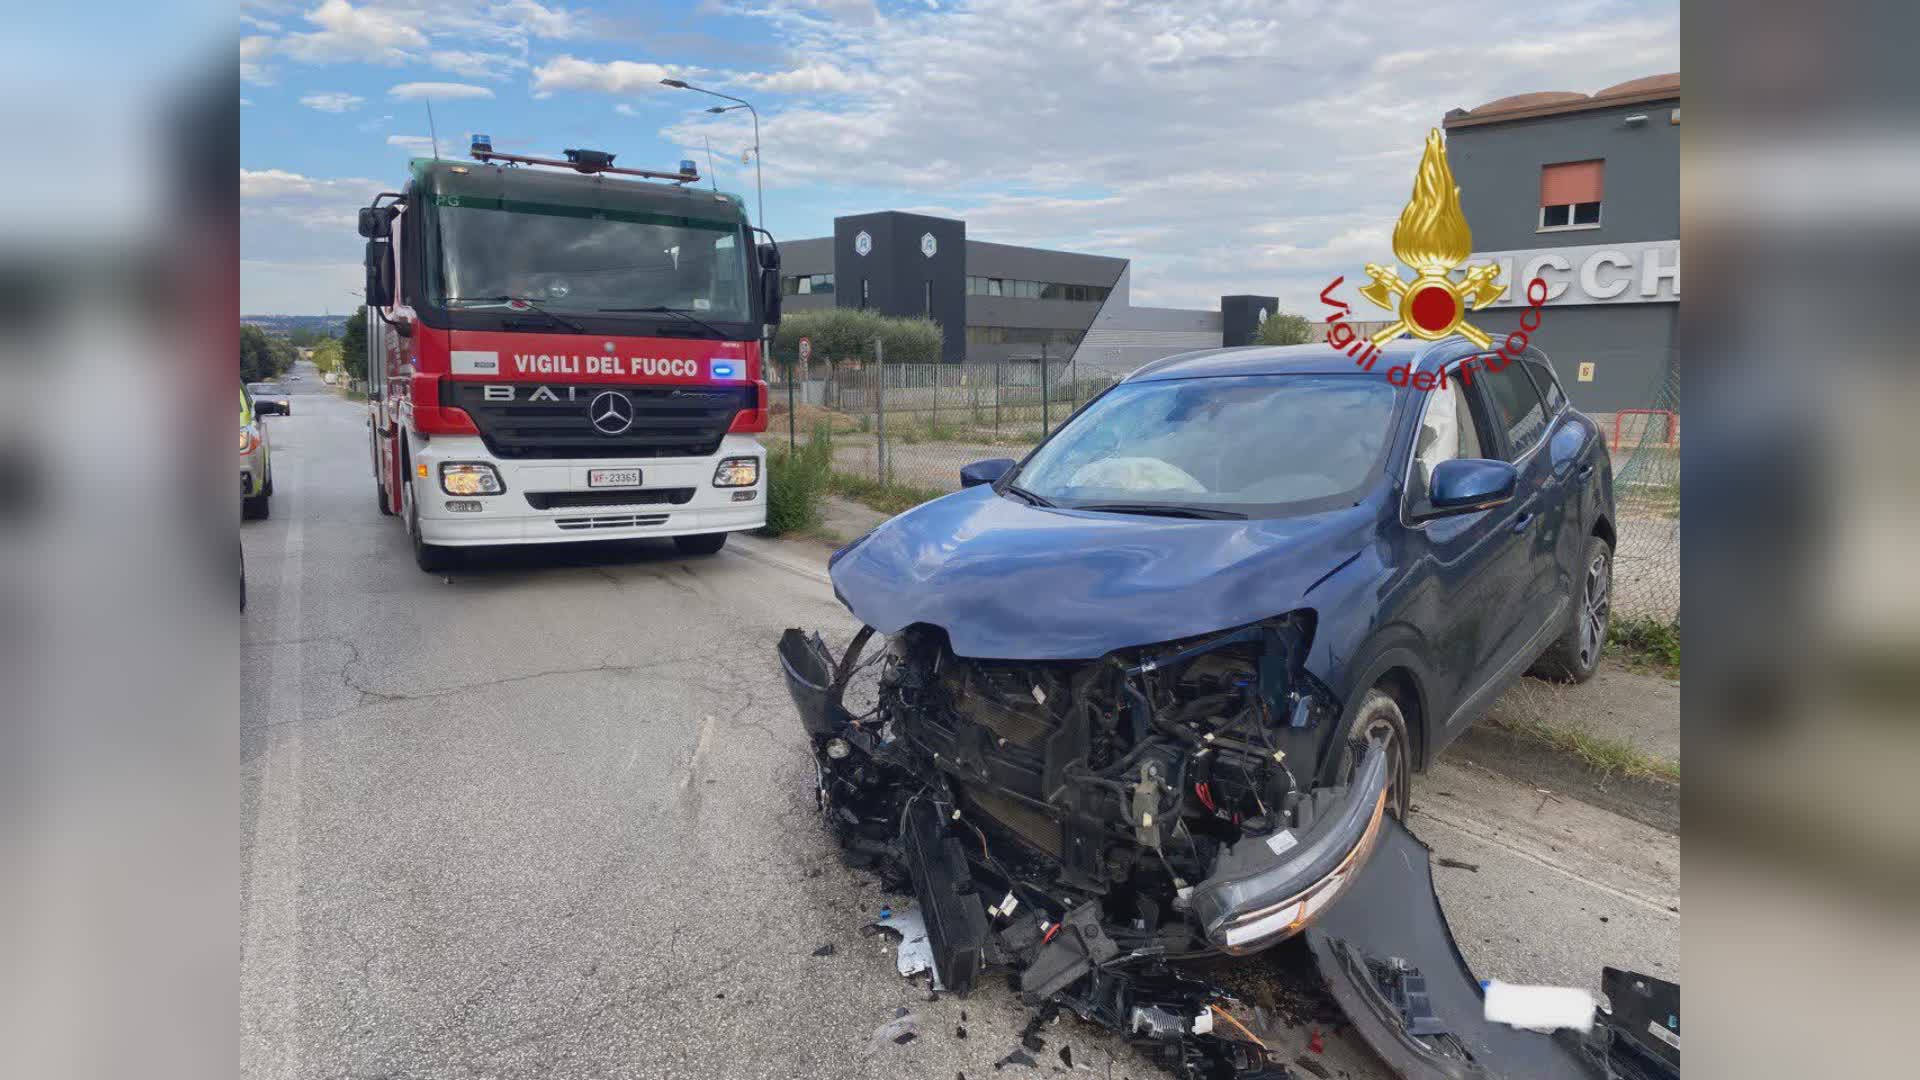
[
  {"x": 326, "y": 355},
  {"x": 843, "y": 334},
  {"x": 353, "y": 345},
  {"x": 1281, "y": 328},
  {"x": 261, "y": 353}
]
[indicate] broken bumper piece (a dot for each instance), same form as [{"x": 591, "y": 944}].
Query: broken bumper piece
[{"x": 1390, "y": 961}]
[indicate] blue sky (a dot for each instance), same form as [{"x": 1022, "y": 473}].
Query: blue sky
[{"x": 1224, "y": 147}]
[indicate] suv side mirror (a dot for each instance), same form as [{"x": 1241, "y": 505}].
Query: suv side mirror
[
  {"x": 984, "y": 472},
  {"x": 1463, "y": 485}
]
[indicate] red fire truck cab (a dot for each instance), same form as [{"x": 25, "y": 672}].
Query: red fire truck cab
[{"x": 560, "y": 353}]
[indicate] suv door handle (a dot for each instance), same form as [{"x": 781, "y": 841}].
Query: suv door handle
[
  {"x": 1586, "y": 471},
  {"x": 1520, "y": 523}
]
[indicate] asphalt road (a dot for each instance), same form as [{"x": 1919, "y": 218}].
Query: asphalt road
[{"x": 553, "y": 817}]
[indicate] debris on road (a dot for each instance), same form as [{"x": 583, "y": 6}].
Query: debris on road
[
  {"x": 1092, "y": 827},
  {"x": 899, "y": 1031},
  {"x": 824, "y": 950}
]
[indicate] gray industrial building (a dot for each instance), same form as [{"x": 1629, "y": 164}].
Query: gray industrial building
[
  {"x": 1582, "y": 191},
  {"x": 1001, "y": 301}
]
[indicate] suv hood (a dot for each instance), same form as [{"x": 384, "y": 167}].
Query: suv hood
[{"x": 1007, "y": 580}]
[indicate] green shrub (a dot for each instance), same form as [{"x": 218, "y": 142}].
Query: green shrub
[
  {"x": 1647, "y": 641},
  {"x": 797, "y": 483}
]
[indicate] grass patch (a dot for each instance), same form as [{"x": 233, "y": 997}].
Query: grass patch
[
  {"x": 797, "y": 484},
  {"x": 886, "y": 498},
  {"x": 1609, "y": 757},
  {"x": 1646, "y": 643}
]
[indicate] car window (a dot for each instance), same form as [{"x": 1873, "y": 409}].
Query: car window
[
  {"x": 1549, "y": 385},
  {"x": 1260, "y": 445},
  {"x": 1447, "y": 431},
  {"x": 1516, "y": 407}
]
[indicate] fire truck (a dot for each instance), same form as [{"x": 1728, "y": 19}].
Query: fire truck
[{"x": 562, "y": 350}]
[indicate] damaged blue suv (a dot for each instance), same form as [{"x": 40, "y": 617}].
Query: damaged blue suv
[{"x": 1164, "y": 682}]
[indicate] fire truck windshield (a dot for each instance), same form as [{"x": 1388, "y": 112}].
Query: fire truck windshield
[{"x": 572, "y": 259}]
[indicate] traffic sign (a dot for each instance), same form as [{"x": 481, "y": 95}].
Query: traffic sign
[{"x": 806, "y": 349}]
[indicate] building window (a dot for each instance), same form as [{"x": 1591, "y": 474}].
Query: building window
[
  {"x": 1022, "y": 335},
  {"x": 929, "y": 298},
  {"x": 1022, "y": 289},
  {"x": 806, "y": 284},
  {"x": 863, "y": 292},
  {"x": 1571, "y": 193}
]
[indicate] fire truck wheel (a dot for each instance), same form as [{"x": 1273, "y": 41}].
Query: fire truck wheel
[
  {"x": 255, "y": 507},
  {"x": 429, "y": 557},
  {"x": 703, "y": 544}
]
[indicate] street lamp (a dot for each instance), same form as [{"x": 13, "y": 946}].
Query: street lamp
[
  {"x": 760, "y": 202},
  {"x": 760, "y": 194}
]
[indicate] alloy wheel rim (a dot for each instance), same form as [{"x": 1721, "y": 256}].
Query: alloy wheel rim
[{"x": 1596, "y": 604}]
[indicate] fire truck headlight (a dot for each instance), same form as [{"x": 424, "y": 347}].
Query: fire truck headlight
[
  {"x": 470, "y": 478},
  {"x": 737, "y": 472}
]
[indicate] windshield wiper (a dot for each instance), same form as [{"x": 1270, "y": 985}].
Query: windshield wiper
[
  {"x": 1165, "y": 510},
  {"x": 1036, "y": 500},
  {"x": 532, "y": 305},
  {"x": 663, "y": 310}
]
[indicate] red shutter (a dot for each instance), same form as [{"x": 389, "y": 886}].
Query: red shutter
[{"x": 1572, "y": 182}]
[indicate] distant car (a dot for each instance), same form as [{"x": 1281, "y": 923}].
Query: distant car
[
  {"x": 256, "y": 459},
  {"x": 270, "y": 399},
  {"x": 293, "y": 378}
]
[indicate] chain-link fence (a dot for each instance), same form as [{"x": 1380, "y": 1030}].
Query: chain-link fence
[
  {"x": 912, "y": 426},
  {"x": 1645, "y": 442}
]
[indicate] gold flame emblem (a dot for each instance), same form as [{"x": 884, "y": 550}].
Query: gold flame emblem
[{"x": 1433, "y": 239}]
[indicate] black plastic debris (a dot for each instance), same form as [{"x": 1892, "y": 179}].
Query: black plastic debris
[
  {"x": 959, "y": 1031},
  {"x": 1066, "y": 1056},
  {"x": 824, "y": 950},
  {"x": 1018, "y": 1057}
]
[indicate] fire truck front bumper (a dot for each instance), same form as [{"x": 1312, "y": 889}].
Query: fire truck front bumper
[{"x": 543, "y": 501}]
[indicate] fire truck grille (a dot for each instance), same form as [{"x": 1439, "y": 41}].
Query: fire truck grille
[
  {"x": 567, "y": 500},
  {"x": 668, "y": 421}
]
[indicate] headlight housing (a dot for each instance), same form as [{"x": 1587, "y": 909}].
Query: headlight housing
[
  {"x": 737, "y": 472},
  {"x": 470, "y": 478}
]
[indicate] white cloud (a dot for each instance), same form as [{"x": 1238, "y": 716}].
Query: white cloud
[
  {"x": 333, "y": 102},
  {"x": 1237, "y": 146},
  {"x": 413, "y": 144},
  {"x": 355, "y": 33},
  {"x": 475, "y": 65},
  {"x": 254, "y": 50},
  {"x": 815, "y": 78},
  {"x": 445, "y": 91},
  {"x": 244, "y": 102},
  {"x": 278, "y": 197},
  {"x": 613, "y": 77}
]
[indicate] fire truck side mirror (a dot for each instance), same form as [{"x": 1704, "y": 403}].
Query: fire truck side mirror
[
  {"x": 379, "y": 274},
  {"x": 770, "y": 296},
  {"x": 376, "y": 222}
]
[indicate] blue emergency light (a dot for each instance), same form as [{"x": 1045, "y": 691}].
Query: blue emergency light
[
  {"x": 687, "y": 167},
  {"x": 722, "y": 369},
  {"x": 483, "y": 144}
]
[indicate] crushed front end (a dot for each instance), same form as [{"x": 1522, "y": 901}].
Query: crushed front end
[{"x": 1086, "y": 823}]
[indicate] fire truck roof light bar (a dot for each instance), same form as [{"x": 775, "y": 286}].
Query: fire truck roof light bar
[{"x": 591, "y": 162}]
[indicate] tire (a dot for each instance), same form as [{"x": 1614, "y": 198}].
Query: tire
[
  {"x": 702, "y": 544},
  {"x": 431, "y": 558},
  {"x": 1380, "y": 717},
  {"x": 255, "y": 507},
  {"x": 1575, "y": 656}
]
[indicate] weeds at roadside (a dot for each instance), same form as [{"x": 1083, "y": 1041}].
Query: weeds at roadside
[
  {"x": 1609, "y": 757},
  {"x": 797, "y": 483},
  {"x": 886, "y": 498},
  {"x": 1646, "y": 644}
]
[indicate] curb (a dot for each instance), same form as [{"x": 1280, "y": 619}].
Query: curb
[{"x": 1654, "y": 803}]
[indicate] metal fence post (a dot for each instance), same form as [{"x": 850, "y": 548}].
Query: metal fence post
[
  {"x": 793, "y": 412},
  {"x": 1046, "y": 413},
  {"x": 996, "y": 397},
  {"x": 880, "y": 407}
]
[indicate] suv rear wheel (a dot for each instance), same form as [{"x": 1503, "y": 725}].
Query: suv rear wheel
[{"x": 1576, "y": 655}]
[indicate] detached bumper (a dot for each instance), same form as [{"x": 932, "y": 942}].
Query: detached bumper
[{"x": 1271, "y": 893}]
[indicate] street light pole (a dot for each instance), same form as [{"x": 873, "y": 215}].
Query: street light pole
[
  {"x": 760, "y": 206},
  {"x": 759, "y": 190}
]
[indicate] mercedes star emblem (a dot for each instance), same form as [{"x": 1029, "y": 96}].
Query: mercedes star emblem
[{"x": 610, "y": 412}]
